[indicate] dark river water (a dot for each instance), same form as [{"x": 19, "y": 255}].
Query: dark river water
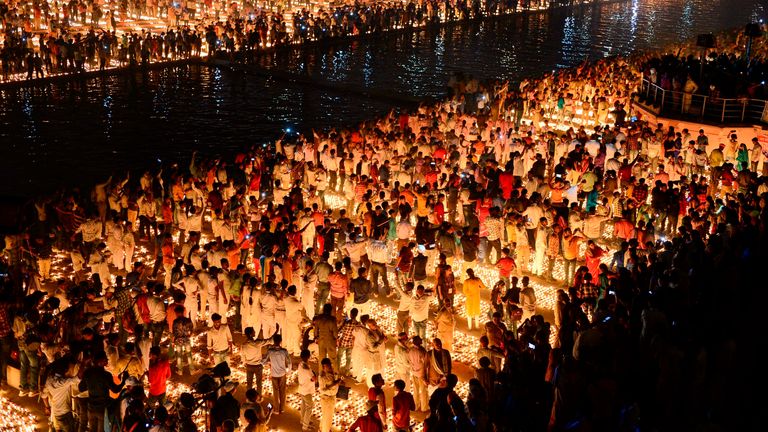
[{"x": 67, "y": 134}]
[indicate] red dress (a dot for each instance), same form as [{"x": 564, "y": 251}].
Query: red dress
[{"x": 593, "y": 261}]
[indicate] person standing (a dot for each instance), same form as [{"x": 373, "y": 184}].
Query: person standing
[
  {"x": 157, "y": 314},
  {"x": 251, "y": 353},
  {"x": 376, "y": 394},
  {"x": 376, "y": 349},
  {"x": 280, "y": 365},
  {"x": 98, "y": 383},
  {"x": 420, "y": 311},
  {"x": 370, "y": 422},
  {"x": 57, "y": 395},
  {"x": 361, "y": 289},
  {"x": 339, "y": 290},
  {"x": 402, "y": 405},
  {"x": 329, "y": 383},
  {"x": 24, "y": 330},
  {"x": 158, "y": 373},
  {"x": 361, "y": 356},
  {"x": 445, "y": 281},
  {"x": 402, "y": 361},
  {"x": 294, "y": 315},
  {"x": 438, "y": 364},
  {"x": 323, "y": 271},
  {"x": 417, "y": 357},
  {"x": 378, "y": 255},
  {"x": 226, "y": 409},
  {"x": 307, "y": 381},
  {"x": 250, "y": 306},
  {"x": 326, "y": 332},
  {"x": 219, "y": 340},
  {"x": 472, "y": 286},
  {"x": 183, "y": 327},
  {"x": 527, "y": 299},
  {"x": 346, "y": 341},
  {"x": 404, "y": 306},
  {"x": 445, "y": 324},
  {"x": 6, "y": 336}
]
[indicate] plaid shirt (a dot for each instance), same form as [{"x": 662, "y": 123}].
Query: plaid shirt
[
  {"x": 124, "y": 302},
  {"x": 553, "y": 244},
  {"x": 495, "y": 228},
  {"x": 347, "y": 333},
  {"x": 182, "y": 330},
  {"x": 5, "y": 324},
  {"x": 587, "y": 291}
]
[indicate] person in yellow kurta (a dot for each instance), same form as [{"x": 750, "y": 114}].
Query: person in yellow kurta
[{"x": 471, "y": 287}]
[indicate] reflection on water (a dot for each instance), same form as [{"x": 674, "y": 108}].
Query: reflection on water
[{"x": 67, "y": 134}]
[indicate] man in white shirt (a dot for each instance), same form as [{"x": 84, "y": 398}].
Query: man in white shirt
[
  {"x": 280, "y": 365},
  {"x": 532, "y": 216},
  {"x": 378, "y": 253},
  {"x": 420, "y": 311},
  {"x": 294, "y": 314},
  {"x": 251, "y": 353},
  {"x": 157, "y": 314},
  {"x": 57, "y": 396},
  {"x": 307, "y": 380},
  {"x": 593, "y": 226},
  {"x": 219, "y": 340},
  {"x": 404, "y": 232}
]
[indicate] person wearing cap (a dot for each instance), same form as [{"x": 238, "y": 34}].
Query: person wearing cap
[
  {"x": 370, "y": 422},
  {"x": 226, "y": 407},
  {"x": 219, "y": 340}
]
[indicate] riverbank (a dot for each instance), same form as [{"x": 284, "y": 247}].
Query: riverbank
[{"x": 93, "y": 71}]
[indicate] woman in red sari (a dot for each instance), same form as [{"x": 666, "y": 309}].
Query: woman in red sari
[{"x": 593, "y": 255}]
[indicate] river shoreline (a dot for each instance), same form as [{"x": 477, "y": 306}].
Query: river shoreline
[{"x": 287, "y": 49}]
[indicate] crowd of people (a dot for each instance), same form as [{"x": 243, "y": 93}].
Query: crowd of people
[
  {"x": 736, "y": 69},
  {"x": 43, "y": 38},
  {"x": 593, "y": 270}
]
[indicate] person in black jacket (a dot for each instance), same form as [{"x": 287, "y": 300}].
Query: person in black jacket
[
  {"x": 226, "y": 407},
  {"x": 98, "y": 382}
]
